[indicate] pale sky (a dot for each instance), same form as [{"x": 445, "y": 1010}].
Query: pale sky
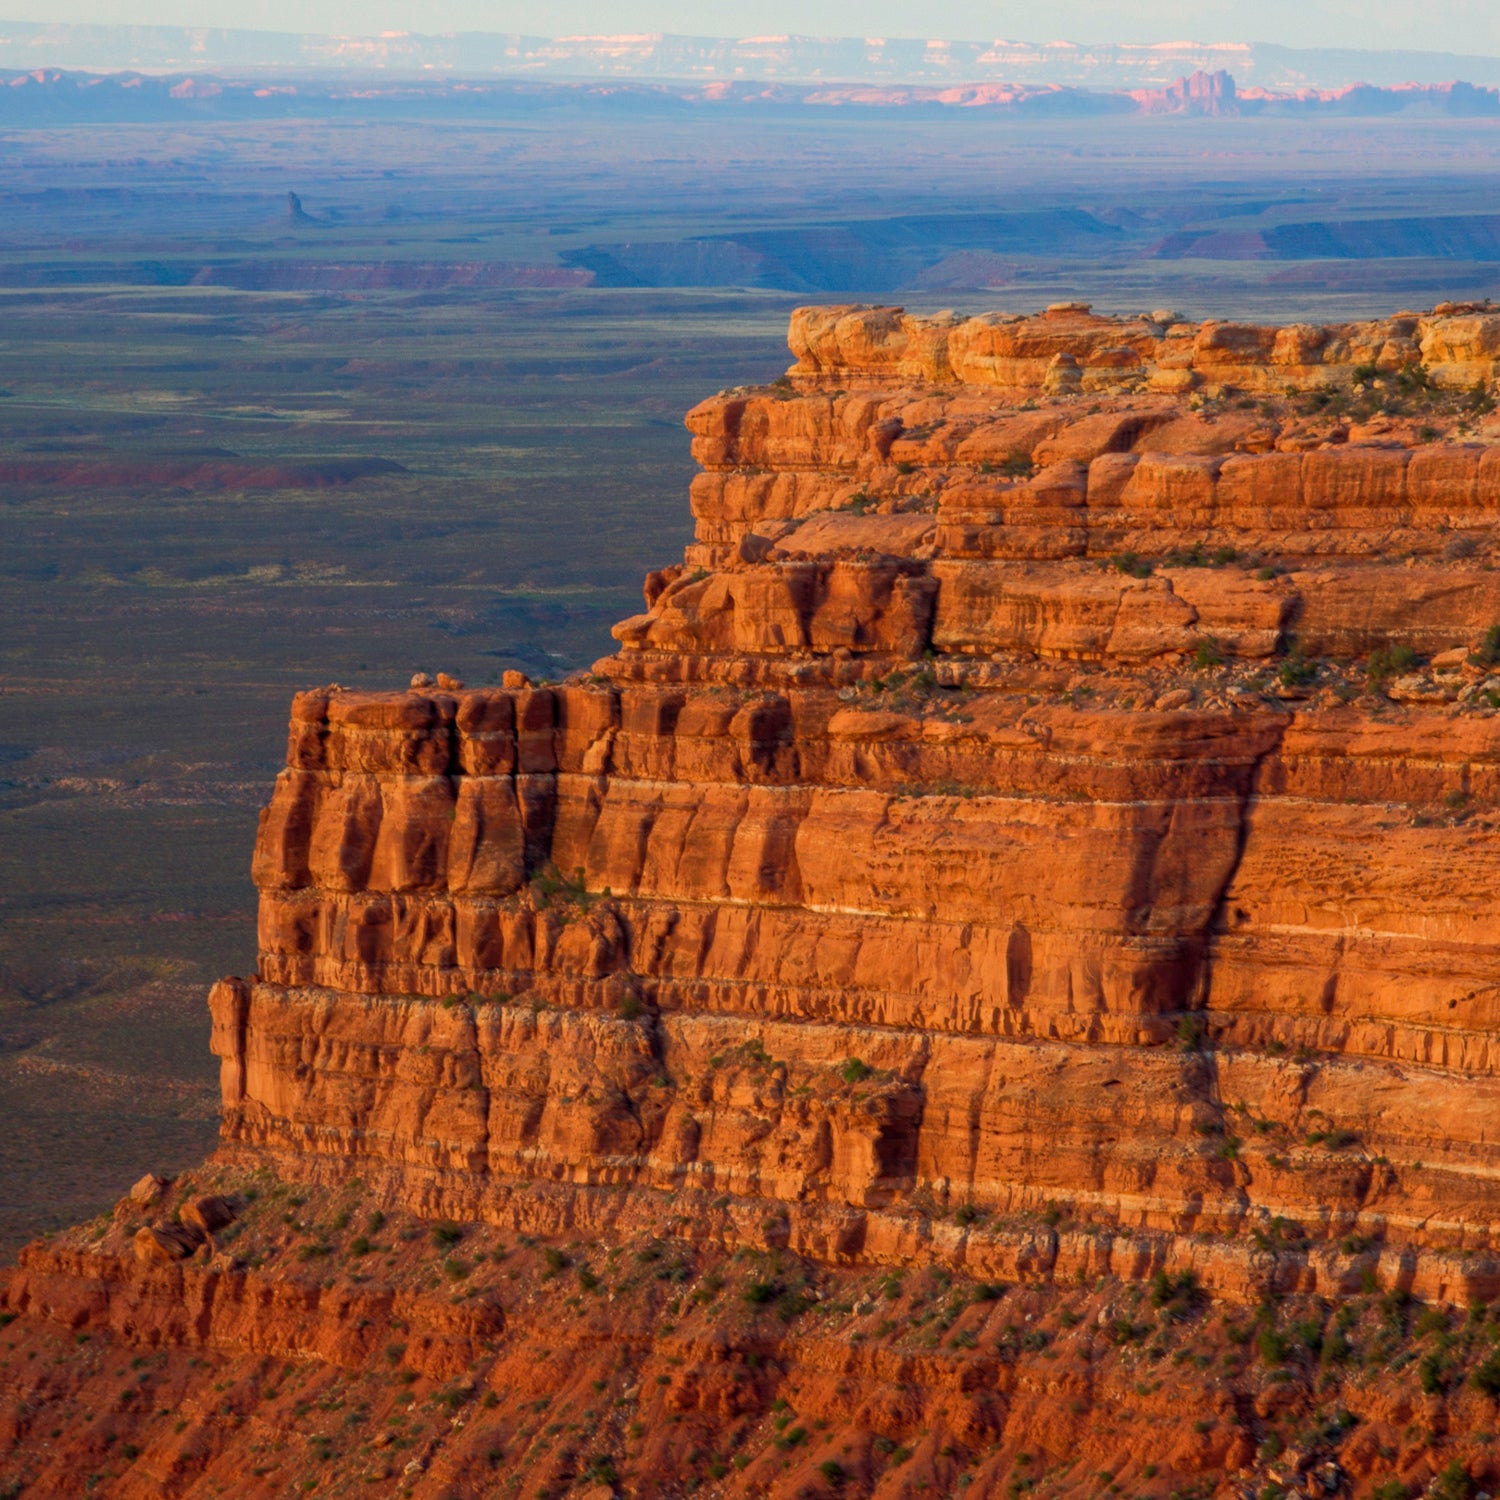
[{"x": 1471, "y": 26}]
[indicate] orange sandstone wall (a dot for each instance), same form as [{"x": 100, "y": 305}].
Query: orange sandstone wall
[
  {"x": 1068, "y": 350},
  {"x": 1046, "y": 828},
  {"x": 909, "y": 855}
]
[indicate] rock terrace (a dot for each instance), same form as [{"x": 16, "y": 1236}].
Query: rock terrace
[{"x": 1042, "y": 832}]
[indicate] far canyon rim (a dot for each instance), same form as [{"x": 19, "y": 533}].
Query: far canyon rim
[{"x": 991, "y": 987}]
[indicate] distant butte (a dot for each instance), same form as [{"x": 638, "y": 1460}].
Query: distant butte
[{"x": 993, "y": 986}]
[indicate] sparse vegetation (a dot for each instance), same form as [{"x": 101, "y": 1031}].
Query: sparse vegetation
[
  {"x": 1209, "y": 653},
  {"x": 1488, "y": 652},
  {"x": 1132, "y": 565},
  {"x": 1386, "y": 662},
  {"x": 1296, "y": 670}
]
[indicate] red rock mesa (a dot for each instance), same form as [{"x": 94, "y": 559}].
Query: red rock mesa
[{"x": 991, "y": 987}]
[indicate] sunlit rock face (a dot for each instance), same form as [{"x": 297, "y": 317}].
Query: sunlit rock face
[
  {"x": 990, "y": 988},
  {"x": 1061, "y": 773}
]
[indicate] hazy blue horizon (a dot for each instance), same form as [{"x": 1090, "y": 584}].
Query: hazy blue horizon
[{"x": 1460, "y": 26}]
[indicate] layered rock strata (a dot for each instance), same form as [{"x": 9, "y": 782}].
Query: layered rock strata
[
  {"x": 873, "y": 792},
  {"x": 1069, "y": 349},
  {"x": 1042, "y": 832}
]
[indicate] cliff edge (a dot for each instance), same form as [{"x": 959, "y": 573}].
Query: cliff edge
[{"x": 992, "y": 986}]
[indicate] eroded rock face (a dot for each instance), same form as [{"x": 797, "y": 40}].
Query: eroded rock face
[
  {"x": 1068, "y": 346},
  {"x": 1058, "y": 787},
  {"x": 922, "y": 780}
]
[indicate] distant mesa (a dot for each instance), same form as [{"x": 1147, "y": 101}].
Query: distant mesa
[
  {"x": 49, "y": 95},
  {"x": 718, "y": 61},
  {"x": 1474, "y": 237},
  {"x": 1202, "y": 93},
  {"x": 295, "y": 212},
  {"x": 965, "y": 270}
]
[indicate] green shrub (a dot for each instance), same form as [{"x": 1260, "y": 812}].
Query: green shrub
[
  {"x": 855, "y": 1071},
  {"x": 1386, "y": 662},
  {"x": 1433, "y": 1373},
  {"x": 1336, "y": 1350},
  {"x": 1295, "y": 670},
  {"x": 1486, "y": 1376},
  {"x": 1452, "y": 1484},
  {"x": 1488, "y": 652},
  {"x": 1432, "y": 1320},
  {"x": 1175, "y": 1297},
  {"x": 1273, "y": 1346},
  {"x": 790, "y": 1304},
  {"x": 1395, "y": 1307},
  {"x": 1189, "y": 1032},
  {"x": 446, "y": 1235},
  {"x": 1208, "y": 654},
  {"x": 601, "y": 1469},
  {"x": 550, "y": 884}
]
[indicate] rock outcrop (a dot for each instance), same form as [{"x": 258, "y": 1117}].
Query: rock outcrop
[{"x": 1040, "y": 835}]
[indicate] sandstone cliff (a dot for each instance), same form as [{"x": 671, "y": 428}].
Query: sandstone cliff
[{"x": 1039, "y": 837}]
